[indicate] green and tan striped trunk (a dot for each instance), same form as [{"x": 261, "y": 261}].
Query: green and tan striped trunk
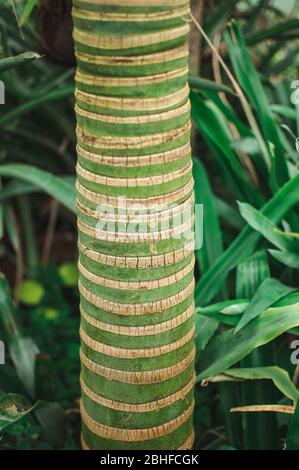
[{"x": 136, "y": 281}]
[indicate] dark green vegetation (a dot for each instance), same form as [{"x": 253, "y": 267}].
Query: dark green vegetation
[{"x": 247, "y": 179}]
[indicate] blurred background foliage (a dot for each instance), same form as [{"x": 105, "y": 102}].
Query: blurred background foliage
[{"x": 245, "y": 109}]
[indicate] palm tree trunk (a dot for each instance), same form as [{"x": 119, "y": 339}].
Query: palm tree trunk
[{"x": 136, "y": 281}]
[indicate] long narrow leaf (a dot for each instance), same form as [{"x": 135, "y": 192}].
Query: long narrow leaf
[
  {"x": 266, "y": 227},
  {"x": 59, "y": 188},
  {"x": 15, "y": 61},
  {"x": 244, "y": 244},
  {"x": 263, "y": 329},
  {"x": 279, "y": 376},
  {"x": 269, "y": 292}
]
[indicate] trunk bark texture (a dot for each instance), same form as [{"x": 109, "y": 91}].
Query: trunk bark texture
[{"x": 136, "y": 271}]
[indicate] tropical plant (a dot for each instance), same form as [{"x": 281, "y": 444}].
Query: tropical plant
[
  {"x": 136, "y": 272},
  {"x": 259, "y": 164},
  {"x": 37, "y": 129}
]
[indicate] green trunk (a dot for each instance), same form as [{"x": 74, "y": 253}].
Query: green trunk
[{"x": 136, "y": 272}]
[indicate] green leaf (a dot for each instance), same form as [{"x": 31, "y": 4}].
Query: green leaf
[
  {"x": 213, "y": 125},
  {"x": 227, "y": 213},
  {"x": 251, "y": 84},
  {"x": 53, "y": 421},
  {"x": 251, "y": 273},
  {"x": 269, "y": 292},
  {"x": 13, "y": 407},
  {"x": 7, "y": 308},
  {"x": 228, "y": 348},
  {"x": 11, "y": 62},
  {"x": 279, "y": 376},
  {"x": 27, "y": 11},
  {"x": 227, "y": 307},
  {"x": 23, "y": 350},
  {"x": 11, "y": 228},
  {"x": 202, "y": 84},
  {"x": 265, "y": 227},
  {"x": 212, "y": 240},
  {"x": 286, "y": 257},
  {"x": 284, "y": 111},
  {"x": 244, "y": 244},
  {"x": 204, "y": 330},
  {"x": 16, "y": 188},
  {"x": 35, "y": 103},
  {"x": 229, "y": 312},
  {"x": 292, "y": 440},
  {"x": 218, "y": 16},
  {"x": 281, "y": 31},
  {"x": 59, "y": 188},
  {"x": 236, "y": 307}
]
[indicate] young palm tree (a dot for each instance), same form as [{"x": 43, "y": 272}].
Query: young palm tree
[{"x": 136, "y": 271}]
